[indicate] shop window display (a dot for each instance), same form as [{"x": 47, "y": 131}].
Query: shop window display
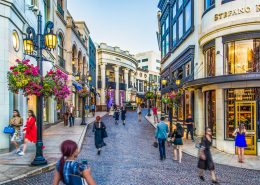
[
  {"x": 242, "y": 56},
  {"x": 233, "y": 95},
  {"x": 210, "y": 102}
]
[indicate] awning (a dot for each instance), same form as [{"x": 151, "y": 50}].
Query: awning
[{"x": 77, "y": 86}]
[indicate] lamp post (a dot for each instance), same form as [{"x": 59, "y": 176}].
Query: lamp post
[
  {"x": 149, "y": 100},
  {"x": 39, "y": 42},
  {"x": 82, "y": 78}
]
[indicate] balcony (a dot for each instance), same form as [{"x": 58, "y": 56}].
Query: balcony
[
  {"x": 60, "y": 10},
  {"x": 61, "y": 62}
]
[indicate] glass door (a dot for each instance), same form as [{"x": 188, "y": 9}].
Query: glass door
[{"x": 246, "y": 114}]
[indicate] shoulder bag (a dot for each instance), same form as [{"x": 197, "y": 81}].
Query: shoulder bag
[{"x": 9, "y": 130}]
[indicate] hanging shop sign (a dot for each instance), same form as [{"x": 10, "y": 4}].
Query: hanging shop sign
[{"x": 235, "y": 12}]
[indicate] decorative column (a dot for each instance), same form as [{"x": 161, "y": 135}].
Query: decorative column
[
  {"x": 103, "y": 83},
  {"x": 219, "y": 64},
  {"x": 126, "y": 73},
  {"x": 116, "y": 69},
  {"x": 199, "y": 113},
  {"x": 132, "y": 78}
]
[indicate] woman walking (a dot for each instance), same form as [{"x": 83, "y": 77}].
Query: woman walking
[
  {"x": 139, "y": 112},
  {"x": 16, "y": 122},
  {"x": 205, "y": 157},
  {"x": 30, "y": 130},
  {"x": 240, "y": 141},
  {"x": 177, "y": 141},
  {"x": 123, "y": 115},
  {"x": 68, "y": 170},
  {"x": 116, "y": 115},
  {"x": 100, "y": 132}
]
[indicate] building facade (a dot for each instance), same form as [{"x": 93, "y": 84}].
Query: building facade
[
  {"x": 71, "y": 55},
  {"x": 212, "y": 47},
  {"x": 116, "y": 76},
  {"x": 149, "y": 67}
]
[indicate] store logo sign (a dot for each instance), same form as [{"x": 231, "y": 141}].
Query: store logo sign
[{"x": 235, "y": 12}]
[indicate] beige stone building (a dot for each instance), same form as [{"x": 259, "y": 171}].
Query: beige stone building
[{"x": 212, "y": 49}]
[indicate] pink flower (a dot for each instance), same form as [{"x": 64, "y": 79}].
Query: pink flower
[{"x": 16, "y": 73}]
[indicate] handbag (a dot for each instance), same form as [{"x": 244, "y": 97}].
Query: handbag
[
  {"x": 76, "y": 180},
  {"x": 9, "y": 130},
  {"x": 155, "y": 144},
  {"x": 104, "y": 133}
]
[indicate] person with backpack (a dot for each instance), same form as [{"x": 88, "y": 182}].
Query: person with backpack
[
  {"x": 116, "y": 115},
  {"x": 177, "y": 141},
  {"x": 68, "y": 170}
]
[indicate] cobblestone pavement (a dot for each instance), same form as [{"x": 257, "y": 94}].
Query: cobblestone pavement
[{"x": 130, "y": 159}]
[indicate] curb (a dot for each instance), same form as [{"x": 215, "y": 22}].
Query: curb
[{"x": 50, "y": 166}]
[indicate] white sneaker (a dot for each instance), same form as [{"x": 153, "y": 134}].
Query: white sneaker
[{"x": 21, "y": 153}]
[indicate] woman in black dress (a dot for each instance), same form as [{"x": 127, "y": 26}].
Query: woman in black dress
[
  {"x": 123, "y": 115},
  {"x": 177, "y": 141},
  {"x": 205, "y": 157},
  {"x": 99, "y": 128}
]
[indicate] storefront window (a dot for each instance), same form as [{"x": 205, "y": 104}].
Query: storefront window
[
  {"x": 242, "y": 56},
  {"x": 233, "y": 95},
  {"x": 210, "y": 104},
  {"x": 188, "y": 108},
  {"x": 181, "y": 108},
  {"x": 210, "y": 60}
]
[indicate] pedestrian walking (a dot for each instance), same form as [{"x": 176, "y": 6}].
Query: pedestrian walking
[
  {"x": 100, "y": 133},
  {"x": 155, "y": 114},
  {"x": 66, "y": 115},
  {"x": 177, "y": 142},
  {"x": 116, "y": 115},
  {"x": 161, "y": 134},
  {"x": 240, "y": 141},
  {"x": 205, "y": 157},
  {"x": 123, "y": 114},
  {"x": 72, "y": 113},
  {"x": 93, "y": 109},
  {"x": 30, "y": 130},
  {"x": 68, "y": 170},
  {"x": 190, "y": 127},
  {"x": 139, "y": 112},
  {"x": 16, "y": 122}
]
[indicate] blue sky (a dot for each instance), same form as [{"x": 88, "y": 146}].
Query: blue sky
[{"x": 129, "y": 24}]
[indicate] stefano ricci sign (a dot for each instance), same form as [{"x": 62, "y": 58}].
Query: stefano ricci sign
[{"x": 235, "y": 12}]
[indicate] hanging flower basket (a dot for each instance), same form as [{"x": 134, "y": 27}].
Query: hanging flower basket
[
  {"x": 83, "y": 93},
  {"x": 55, "y": 83},
  {"x": 26, "y": 77},
  {"x": 172, "y": 99},
  {"x": 149, "y": 95}
]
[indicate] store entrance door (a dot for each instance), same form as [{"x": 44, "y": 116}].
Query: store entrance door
[{"x": 246, "y": 114}]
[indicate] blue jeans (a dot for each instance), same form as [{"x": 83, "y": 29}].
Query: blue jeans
[
  {"x": 162, "y": 148},
  {"x": 71, "y": 120}
]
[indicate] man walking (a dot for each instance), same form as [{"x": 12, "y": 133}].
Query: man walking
[
  {"x": 71, "y": 115},
  {"x": 189, "y": 123},
  {"x": 161, "y": 134}
]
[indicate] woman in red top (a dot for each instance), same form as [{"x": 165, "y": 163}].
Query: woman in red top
[{"x": 30, "y": 131}]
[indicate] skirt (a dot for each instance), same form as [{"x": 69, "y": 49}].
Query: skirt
[
  {"x": 207, "y": 164},
  {"x": 178, "y": 141}
]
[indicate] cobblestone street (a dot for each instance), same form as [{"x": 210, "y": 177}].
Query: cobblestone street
[{"x": 130, "y": 159}]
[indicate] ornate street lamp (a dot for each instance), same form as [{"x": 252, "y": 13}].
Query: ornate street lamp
[
  {"x": 178, "y": 82},
  {"x": 39, "y": 42},
  {"x": 164, "y": 81}
]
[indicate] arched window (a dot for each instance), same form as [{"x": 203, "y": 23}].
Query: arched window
[
  {"x": 74, "y": 58},
  {"x": 79, "y": 62},
  {"x": 60, "y": 45},
  {"x": 60, "y": 50}
]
